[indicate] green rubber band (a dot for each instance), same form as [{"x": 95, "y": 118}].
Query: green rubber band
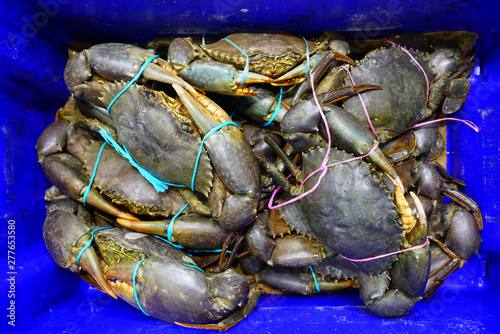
[
  {"x": 245, "y": 71},
  {"x": 170, "y": 230},
  {"x": 87, "y": 191},
  {"x": 135, "y": 290},
  {"x": 316, "y": 284},
  {"x": 276, "y": 111},
  {"x": 89, "y": 243},
  {"x": 214, "y": 130},
  {"x": 134, "y": 79}
]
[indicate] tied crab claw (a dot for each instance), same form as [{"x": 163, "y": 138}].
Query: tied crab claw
[
  {"x": 116, "y": 62},
  {"x": 66, "y": 232},
  {"x": 395, "y": 291},
  {"x": 67, "y": 172}
]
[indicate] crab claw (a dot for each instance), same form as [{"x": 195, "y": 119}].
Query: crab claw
[
  {"x": 96, "y": 200},
  {"x": 175, "y": 292},
  {"x": 191, "y": 230},
  {"x": 90, "y": 263},
  {"x": 317, "y": 74},
  {"x": 67, "y": 172},
  {"x": 351, "y": 135},
  {"x": 190, "y": 61},
  {"x": 298, "y": 74},
  {"x": 233, "y": 160},
  {"x": 66, "y": 232}
]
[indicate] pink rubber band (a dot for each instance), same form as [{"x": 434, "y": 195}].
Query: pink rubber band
[
  {"x": 465, "y": 121},
  {"x": 361, "y": 100},
  {"x": 388, "y": 254},
  {"x": 324, "y": 167},
  {"x": 416, "y": 62}
]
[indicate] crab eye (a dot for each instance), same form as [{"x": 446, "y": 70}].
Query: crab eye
[
  {"x": 149, "y": 94},
  {"x": 186, "y": 128}
]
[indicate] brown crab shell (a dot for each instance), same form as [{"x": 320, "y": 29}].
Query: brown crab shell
[{"x": 269, "y": 54}]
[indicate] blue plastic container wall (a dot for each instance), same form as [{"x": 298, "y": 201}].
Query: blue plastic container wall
[{"x": 37, "y": 296}]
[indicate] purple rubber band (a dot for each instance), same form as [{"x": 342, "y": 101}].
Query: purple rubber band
[
  {"x": 361, "y": 100},
  {"x": 419, "y": 66},
  {"x": 387, "y": 254},
  {"x": 324, "y": 167},
  {"x": 467, "y": 122}
]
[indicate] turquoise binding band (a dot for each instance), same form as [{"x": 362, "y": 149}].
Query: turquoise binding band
[
  {"x": 211, "y": 33},
  {"x": 276, "y": 111},
  {"x": 316, "y": 284},
  {"x": 86, "y": 193},
  {"x": 214, "y": 130},
  {"x": 195, "y": 267},
  {"x": 245, "y": 71},
  {"x": 158, "y": 184},
  {"x": 89, "y": 243},
  {"x": 135, "y": 290},
  {"x": 169, "y": 242},
  {"x": 170, "y": 230},
  {"x": 307, "y": 56},
  {"x": 134, "y": 79}
]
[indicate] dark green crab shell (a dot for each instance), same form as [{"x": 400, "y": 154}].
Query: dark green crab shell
[
  {"x": 351, "y": 212},
  {"x": 159, "y": 140},
  {"x": 402, "y": 101},
  {"x": 119, "y": 180}
]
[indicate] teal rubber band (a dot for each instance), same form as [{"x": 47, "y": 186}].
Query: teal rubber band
[
  {"x": 87, "y": 191},
  {"x": 159, "y": 185},
  {"x": 307, "y": 56},
  {"x": 245, "y": 71},
  {"x": 315, "y": 280},
  {"x": 211, "y": 33},
  {"x": 214, "y": 130},
  {"x": 276, "y": 111},
  {"x": 134, "y": 79},
  {"x": 89, "y": 243},
  {"x": 135, "y": 290},
  {"x": 170, "y": 230},
  {"x": 169, "y": 242},
  {"x": 207, "y": 250},
  {"x": 195, "y": 267}
]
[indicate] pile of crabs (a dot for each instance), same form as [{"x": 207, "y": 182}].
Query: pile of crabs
[{"x": 190, "y": 175}]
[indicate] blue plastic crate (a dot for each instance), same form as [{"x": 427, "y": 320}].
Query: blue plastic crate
[{"x": 34, "y": 37}]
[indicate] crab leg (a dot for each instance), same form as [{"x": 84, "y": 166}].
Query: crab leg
[{"x": 297, "y": 75}]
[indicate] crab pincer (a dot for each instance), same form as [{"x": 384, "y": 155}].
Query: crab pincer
[
  {"x": 116, "y": 62},
  {"x": 233, "y": 160},
  {"x": 66, "y": 232},
  {"x": 67, "y": 172}
]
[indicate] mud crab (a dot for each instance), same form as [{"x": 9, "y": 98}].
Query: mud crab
[
  {"x": 168, "y": 284},
  {"x": 151, "y": 124},
  {"x": 217, "y": 67},
  {"x": 405, "y": 94}
]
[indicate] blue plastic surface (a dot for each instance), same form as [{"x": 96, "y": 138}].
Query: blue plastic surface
[{"x": 33, "y": 41}]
